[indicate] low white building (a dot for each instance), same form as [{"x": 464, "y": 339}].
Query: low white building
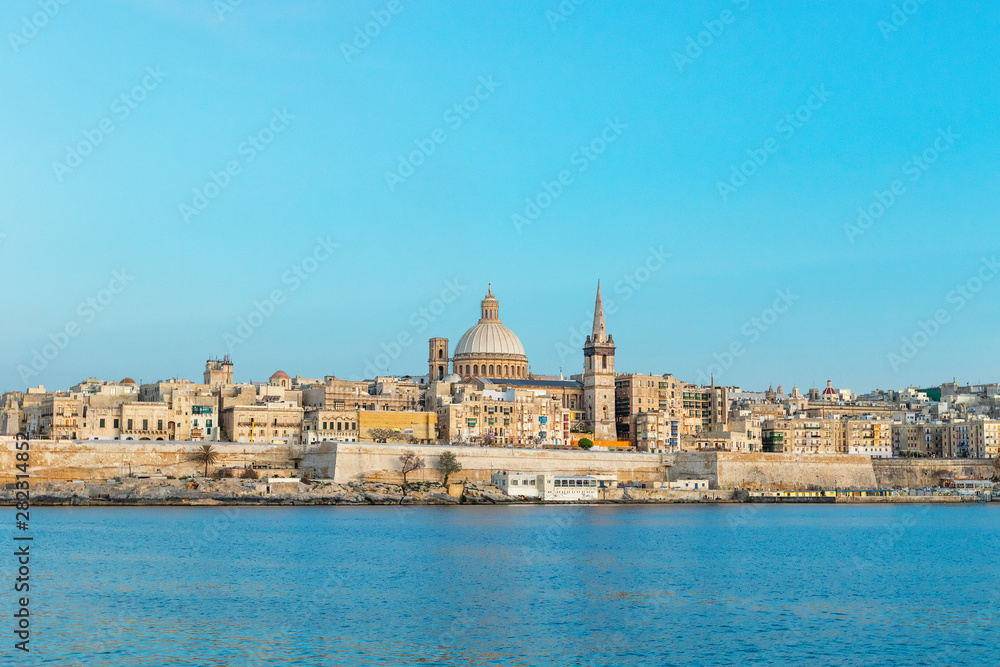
[
  {"x": 875, "y": 451},
  {"x": 518, "y": 483},
  {"x": 688, "y": 484},
  {"x": 546, "y": 486}
]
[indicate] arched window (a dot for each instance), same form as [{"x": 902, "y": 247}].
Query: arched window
[
  {"x": 440, "y": 354},
  {"x": 491, "y": 370},
  {"x": 475, "y": 369},
  {"x": 467, "y": 369},
  {"x": 506, "y": 371}
]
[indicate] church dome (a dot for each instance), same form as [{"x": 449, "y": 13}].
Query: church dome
[
  {"x": 489, "y": 338},
  {"x": 489, "y": 349}
]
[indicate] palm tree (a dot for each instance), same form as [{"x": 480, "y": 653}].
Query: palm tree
[{"x": 206, "y": 455}]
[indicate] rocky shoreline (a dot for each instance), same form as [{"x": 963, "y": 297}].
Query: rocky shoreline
[
  {"x": 205, "y": 491},
  {"x": 198, "y": 491}
]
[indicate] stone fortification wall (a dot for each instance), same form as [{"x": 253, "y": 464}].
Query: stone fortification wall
[
  {"x": 346, "y": 462},
  {"x": 95, "y": 460},
  {"x": 65, "y": 460},
  {"x": 918, "y": 473},
  {"x": 756, "y": 470}
]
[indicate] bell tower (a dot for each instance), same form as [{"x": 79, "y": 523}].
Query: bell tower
[
  {"x": 437, "y": 359},
  {"x": 599, "y": 377}
]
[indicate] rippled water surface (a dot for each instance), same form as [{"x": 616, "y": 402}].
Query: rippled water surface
[{"x": 598, "y": 585}]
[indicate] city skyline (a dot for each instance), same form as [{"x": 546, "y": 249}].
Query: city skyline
[
  {"x": 721, "y": 136},
  {"x": 392, "y": 351}
]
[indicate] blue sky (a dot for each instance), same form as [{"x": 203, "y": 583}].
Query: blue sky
[{"x": 251, "y": 142}]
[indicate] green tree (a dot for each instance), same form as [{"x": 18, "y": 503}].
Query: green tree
[
  {"x": 206, "y": 455},
  {"x": 449, "y": 464},
  {"x": 585, "y": 443},
  {"x": 380, "y": 434}
]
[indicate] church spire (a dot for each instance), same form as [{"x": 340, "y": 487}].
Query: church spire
[{"x": 600, "y": 333}]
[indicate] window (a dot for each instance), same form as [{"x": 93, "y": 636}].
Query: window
[
  {"x": 116, "y": 424},
  {"x": 338, "y": 426},
  {"x": 102, "y": 423},
  {"x": 475, "y": 369},
  {"x": 159, "y": 424},
  {"x": 145, "y": 424},
  {"x": 324, "y": 426},
  {"x": 129, "y": 424},
  {"x": 353, "y": 427}
]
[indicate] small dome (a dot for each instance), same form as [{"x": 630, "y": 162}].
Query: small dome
[
  {"x": 128, "y": 381},
  {"x": 280, "y": 375}
]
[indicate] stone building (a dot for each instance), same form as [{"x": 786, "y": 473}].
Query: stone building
[
  {"x": 54, "y": 417},
  {"x": 803, "y": 436},
  {"x": 276, "y": 422},
  {"x": 320, "y": 424},
  {"x": 868, "y": 436},
  {"x": 919, "y": 440},
  {"x": 636, "y": 394},
  {"x": 517, "y": 417},
  {"x": 218, "y": 373},
  {"x": 146, "y": 421},
  {"x": 419, "y": 427},
  {"x": 656, "y": 431}
]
